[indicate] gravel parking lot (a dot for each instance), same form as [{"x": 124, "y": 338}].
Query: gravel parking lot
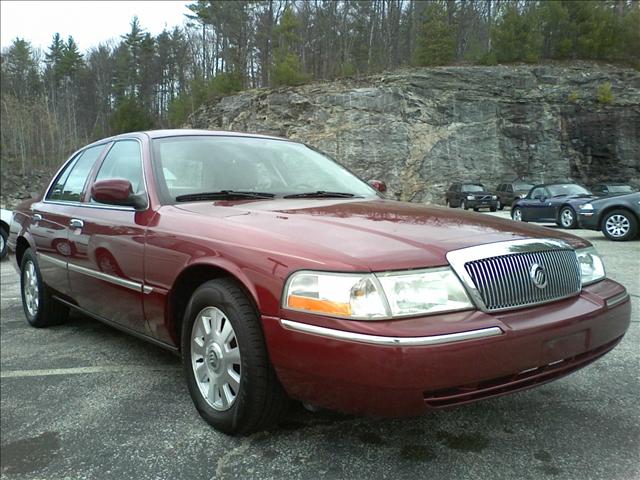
[{"x": 83, "y": 400}]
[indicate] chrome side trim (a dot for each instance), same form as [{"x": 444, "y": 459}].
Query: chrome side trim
[
  {"x": 390, "y": 341},
  {"x": 90, "y": 205},
  {"x": 107, "y": 278},
  {"x": 52, "y": 260},
  {"x": 138, "y": 287},
  {"x": 617, "y": 299}
]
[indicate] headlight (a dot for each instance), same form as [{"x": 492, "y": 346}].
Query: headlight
[
  {"x": 470, "y": 197},
  {"x": 425, "y": 291},
  {"x": 586, "y": 206},
  {"x": 591, "y": 266},
  {"x": 494, "y": 197},
  {"x": 376, "y": 296}
]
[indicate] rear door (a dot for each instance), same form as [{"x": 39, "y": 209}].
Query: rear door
[
  {"x": 107, "y": 270},
  {"x": 51, "y": 218}
]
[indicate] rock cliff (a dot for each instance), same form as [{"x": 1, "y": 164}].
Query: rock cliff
[{"x": 421, "y": 129}]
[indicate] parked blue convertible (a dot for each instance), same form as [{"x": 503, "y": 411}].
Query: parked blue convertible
[{"x": 552, "y": 203}]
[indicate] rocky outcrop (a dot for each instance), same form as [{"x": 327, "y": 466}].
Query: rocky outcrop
[{"x": 421, "y": 129}]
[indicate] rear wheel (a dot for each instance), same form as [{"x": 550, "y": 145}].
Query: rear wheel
[
  {"x": 40, "y": 308},
  {"x": 619, "y": 226},
  {"x": 463, "y": 205},
  {"x": 499, "y": 205},
  {"x": 516, "y": 214},
  {"x": 228, "y": 372},
  {"x": 449, "y": 204},
  {"x": 493, "y": 209},
  {"x": 568, "y": 218}
]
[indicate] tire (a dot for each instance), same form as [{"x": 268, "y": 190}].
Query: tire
[
  {"x": 40, "y": 308},
  {"x": 463, "y": 205},
  {"x": 449, "y": 204},
  {"x": 253, "y": 397},
  {"x": 493, "y": 209},
  {"x": 3, "y": 242},
  {"x": 476, "y": 209},
  {"x": 516, "y": 214},
  {"x": 499, "y": 206},
  {"x": 568, "y": 218},
  {"x": 619, "y": 226}
]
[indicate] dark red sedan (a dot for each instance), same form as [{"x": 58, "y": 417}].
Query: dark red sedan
[{"x": 275, "y": 273}]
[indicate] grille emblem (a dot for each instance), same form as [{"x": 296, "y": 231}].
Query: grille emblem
[{"x": 538, "y": 275}]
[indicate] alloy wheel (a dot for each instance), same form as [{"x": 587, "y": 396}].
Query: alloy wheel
[
  {"x": 617, "y": 225},
  {"x": 31, "y": 289},
  {"x": 517, "y": 215},
  {"x": 566, "y": 217},
  {"x": 215, "y": 358}
]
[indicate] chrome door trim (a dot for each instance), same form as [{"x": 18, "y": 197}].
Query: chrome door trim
[
  {"x": 53, "y": 261},
  {"x": 138, "y": 287},
  {"x": 391, "y": 341}
]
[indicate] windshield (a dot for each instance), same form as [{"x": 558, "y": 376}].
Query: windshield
[
  {"x": 472, "y": 187},
  {"x": 567, "y": 189},
  {"x": 522, "y": 186},
  {"x": 621, "y": 189},
  {"x": 202, "y": 164}
]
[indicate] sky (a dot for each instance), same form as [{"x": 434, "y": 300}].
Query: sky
[{"x": 89, "y": 22}]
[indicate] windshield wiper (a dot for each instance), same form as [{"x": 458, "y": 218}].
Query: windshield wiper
[
  {"x": 222, "y": 195},
  {"x": 321, "y": 194}
]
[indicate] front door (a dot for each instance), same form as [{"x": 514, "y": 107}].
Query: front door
[{"x": 106, "y": 272}]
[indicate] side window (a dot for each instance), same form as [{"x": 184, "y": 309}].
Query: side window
[
  {"x": 70, "y": 184},
  {"x": 537, "y": 192},
  {"x": 509, "y": 188},
  {"x": 123, "y": 161}
]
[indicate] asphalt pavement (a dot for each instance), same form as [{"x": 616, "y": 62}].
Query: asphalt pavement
[{"x": 85, "y": 401}]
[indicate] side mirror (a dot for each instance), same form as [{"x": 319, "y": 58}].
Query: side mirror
[
  {"x": 378, "y": 185},
  {"x": 117, "y": 191}
]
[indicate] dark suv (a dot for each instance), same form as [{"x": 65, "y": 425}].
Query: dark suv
[
  {"x": 508, "y": 193},
  {"x": 471, "y": 195}
]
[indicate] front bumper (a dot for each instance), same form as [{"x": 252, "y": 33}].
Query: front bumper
[
  {"x": 589, "y": 221},
  {"x": 536, "y": 345},
  {"x": 482, "y": 203}
]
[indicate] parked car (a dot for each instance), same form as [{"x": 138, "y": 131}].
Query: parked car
[
  {"x": 557, "y": 202},
  {"x": 471, "y": 195},
  {"x": 275, "y": 273},
  {"x": 616, "y": 217},
  {"x": 508, "y": 193},
  {"x": 610, "y": 189},
  {"x": 5, "y": 221}
]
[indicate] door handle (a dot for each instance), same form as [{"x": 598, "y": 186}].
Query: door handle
[
  {"x": 76, "y": 223},
  {"x": 37, "y": 217}
]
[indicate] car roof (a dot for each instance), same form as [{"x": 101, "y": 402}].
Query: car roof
[{"x": 184, "y": 132}]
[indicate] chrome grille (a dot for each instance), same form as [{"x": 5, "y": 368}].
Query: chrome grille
[{"x": 504, "y": 282}]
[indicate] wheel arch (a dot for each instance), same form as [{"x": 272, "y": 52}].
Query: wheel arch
[
  {"x": 22, "y": 244},
  {"x": 188, "y": 280},
  {"x": 5, "y": 226},
  {"x": 606, "y": 211}
]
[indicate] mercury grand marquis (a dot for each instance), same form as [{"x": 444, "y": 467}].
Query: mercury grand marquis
[{"x": 277, "y": 274}]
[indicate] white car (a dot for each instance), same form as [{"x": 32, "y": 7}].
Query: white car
[{"x": 5, "y": 221}]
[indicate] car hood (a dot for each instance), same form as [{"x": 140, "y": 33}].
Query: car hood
[
  {"x": 579, "y": 199},
  {"x": 364, "y": 234}
]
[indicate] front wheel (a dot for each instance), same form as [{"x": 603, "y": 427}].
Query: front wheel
[
  {"x": 3, "y": 242},
  {"x": 619, "y": 226},
  {"x": 516, "y": 214},
  {"x": 40, "y": 308},
  {"x": 568, "y": 218},
  {"x": 225, "y": 361}
]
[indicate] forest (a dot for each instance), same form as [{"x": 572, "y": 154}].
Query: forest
[{"x": 54, "y": 101}]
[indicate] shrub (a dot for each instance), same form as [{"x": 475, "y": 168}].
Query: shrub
[
  {"x": 604, "y": 94},
  {"x": 574, "y": 96}
]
